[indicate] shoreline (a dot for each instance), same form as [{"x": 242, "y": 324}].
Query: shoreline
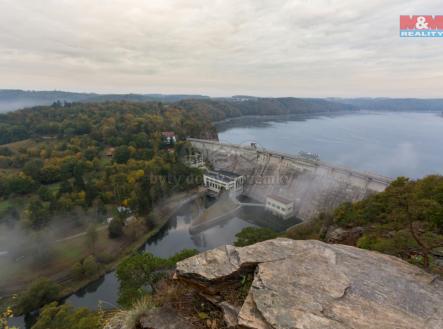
[
  {"x": 286, "y": 115},
  {"x": 313, "y": 114}
]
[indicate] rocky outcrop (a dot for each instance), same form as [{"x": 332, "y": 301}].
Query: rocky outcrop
[
  {"x": 313, "y": 285},
  {"x": 344, "y": 236},
  {"x": 155, "y": 318},
  {"x": 164, "y": 318}
]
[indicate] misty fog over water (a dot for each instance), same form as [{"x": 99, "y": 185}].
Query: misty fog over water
[
  {"x": 174, "y": 237},
  {"x": 390, "y": 144}
]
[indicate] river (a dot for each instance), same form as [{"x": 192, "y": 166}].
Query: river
[
  {"x": 390, "y": 144},
  {"x": 172, "y": 238}
]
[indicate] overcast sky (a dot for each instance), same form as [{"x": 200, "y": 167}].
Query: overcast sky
[{"x": 219, "y": 47}]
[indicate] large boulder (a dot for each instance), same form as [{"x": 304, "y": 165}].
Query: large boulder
[{"x": 311, "y": 284}]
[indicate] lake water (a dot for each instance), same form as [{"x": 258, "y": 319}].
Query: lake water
[{"x": 389, "y": 144}]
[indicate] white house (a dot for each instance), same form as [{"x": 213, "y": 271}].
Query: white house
[
  {"x": 217, "y": 180},
  {"x": 280, "y": 206},
  {"x": 169, "y": 137}
]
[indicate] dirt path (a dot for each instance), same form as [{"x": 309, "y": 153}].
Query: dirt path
[{"x": 78, "y": 235}]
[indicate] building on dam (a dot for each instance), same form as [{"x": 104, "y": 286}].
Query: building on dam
[
  {"x": 279, "y": 206},
  {"x": 216, "y": 180}
]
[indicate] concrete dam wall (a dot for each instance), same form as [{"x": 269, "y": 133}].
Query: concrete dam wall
[{"x": 315, "y": 186}]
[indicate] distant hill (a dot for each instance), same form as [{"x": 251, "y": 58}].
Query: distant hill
[
  {"x": 393, "y": 104},
  {"x": 15, "y": 99},
  {"x": 12, "y": 99},
  {"x": 225, "y": 108}
]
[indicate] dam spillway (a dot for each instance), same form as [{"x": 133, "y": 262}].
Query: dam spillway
[{"x": 314, "y": 186}]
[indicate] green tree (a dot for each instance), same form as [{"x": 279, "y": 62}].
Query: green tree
[
  {"x": 86, "y": 268},
  {"x": 44, "y": 193},
  {"x": 142, "y": 270},
  {"x": 115, "y": 228},
  {"x": 90, "y": 266},
  {"x": 122, "y": 154},
  {"x": 409, "y": 209},
  {"x": 54, "y": 316},
  {"x": 143, "y": 198},
  {"x": 49, "y": 174},
  {"x": 41, "y": 292},
  {"x": 38, "y": 214},
  {"x": 32, "y": 168},
  {"x": 90, "y": 153},
  {"x": 16, "y": 183}
]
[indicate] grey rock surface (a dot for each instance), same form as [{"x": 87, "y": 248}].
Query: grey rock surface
[
  {"x": 343, "y": 236},
  {"x": 156, "y": 318},
  {"x": 314, "y": 285},
  {"x": 163, "y": 318}
]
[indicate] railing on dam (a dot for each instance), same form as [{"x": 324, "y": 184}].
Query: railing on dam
[{"x": 363, "y": 175}]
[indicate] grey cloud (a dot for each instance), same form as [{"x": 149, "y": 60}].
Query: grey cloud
[{"x": 266, "y": 47}]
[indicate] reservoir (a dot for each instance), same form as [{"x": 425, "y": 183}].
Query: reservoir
[{"x": 387, "y": 143}]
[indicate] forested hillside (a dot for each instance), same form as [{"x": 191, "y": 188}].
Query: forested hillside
[
  {"x": 221, "y": 109},
  {"x": 79, "y": 184},
  {"x": 12, "y": 99},
  {"x": 69, "y": 145},
  {"x": 111, "y": 122},
  {"x": 406, "y": 220}
]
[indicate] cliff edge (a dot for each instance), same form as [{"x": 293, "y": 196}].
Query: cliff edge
[{"x": 313, "y": 285}]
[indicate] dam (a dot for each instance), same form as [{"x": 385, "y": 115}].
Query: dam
[{"x": 313, "y": 185}]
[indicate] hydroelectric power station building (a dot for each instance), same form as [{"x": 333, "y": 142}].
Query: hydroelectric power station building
[
  {"x": 280, "y": 206},
  {"x": 216, "y": 180}
]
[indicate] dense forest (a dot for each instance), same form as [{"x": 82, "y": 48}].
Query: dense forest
[
  {"x": 61, "y": 156},
  {"x": 222, "y": 109},
  {"x": 99, "y": 120}
]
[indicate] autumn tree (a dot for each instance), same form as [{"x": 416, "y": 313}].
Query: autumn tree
[{"x": 54, "y": 316}]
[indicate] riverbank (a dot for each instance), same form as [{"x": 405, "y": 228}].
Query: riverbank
[{"x": 162, "y": 212}]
